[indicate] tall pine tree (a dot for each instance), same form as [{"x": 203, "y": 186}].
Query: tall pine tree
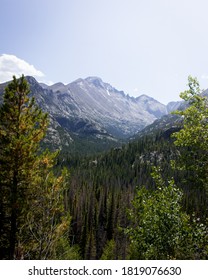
[{"x": 23, "y": 188}]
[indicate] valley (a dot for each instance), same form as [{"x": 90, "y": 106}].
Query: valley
[{"x": 121, "y": 153}]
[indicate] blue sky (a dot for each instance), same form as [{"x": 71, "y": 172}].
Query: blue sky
[{"x": 139, "y": 46}]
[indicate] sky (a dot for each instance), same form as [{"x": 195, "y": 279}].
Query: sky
[{"x": 138, "y": 46}]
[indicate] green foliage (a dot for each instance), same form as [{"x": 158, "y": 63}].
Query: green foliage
[
  {"x": 158, "y": 221},
  {"x": 109, "y": 250},
  {"x": 33, "y": 218},
  {"x": 195, "y": 127},
  {"x": 47, "y": 222},
  {"x": 160, "y": 229},
  {"x": 195, "y": 242},
  {"x": 64, "y": 251},
  {"x": 22, "y": 126},
  {"x": 192, "y": 140}
]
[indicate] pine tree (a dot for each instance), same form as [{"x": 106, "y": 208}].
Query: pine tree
[
  {"x": 22, "y": 126},
  {"x": 29, "y": 191}
]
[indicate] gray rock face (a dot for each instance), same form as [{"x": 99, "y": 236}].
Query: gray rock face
[
  {"x": 173, "y": 106},
  {"x": 92, "y": 107},
  {"x": 98, "y": 102}
]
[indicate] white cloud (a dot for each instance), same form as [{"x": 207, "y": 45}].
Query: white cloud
[{"x": 11, "y": 65}]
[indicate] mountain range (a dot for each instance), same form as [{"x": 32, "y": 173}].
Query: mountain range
[{"x": 90, "y": 110}]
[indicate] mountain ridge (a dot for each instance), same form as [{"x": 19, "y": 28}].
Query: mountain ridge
[{"x": 93, "y": 110}]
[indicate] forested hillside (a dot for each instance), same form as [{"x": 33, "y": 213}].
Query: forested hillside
[
  {"x": 143, "y": 200},
  {"x": 104, "y": 188}
]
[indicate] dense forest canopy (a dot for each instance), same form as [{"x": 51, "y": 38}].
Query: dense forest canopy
[{"x": 144, "y": 200}]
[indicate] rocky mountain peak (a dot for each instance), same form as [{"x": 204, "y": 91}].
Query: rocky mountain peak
[
  {"x": 95, "y": 80},
  {"x": 92, "y": 107},
  {"x": 145, "y": 98},
  {"x": 32, "y": 81},
  {"x": 57, "y": 87}
]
